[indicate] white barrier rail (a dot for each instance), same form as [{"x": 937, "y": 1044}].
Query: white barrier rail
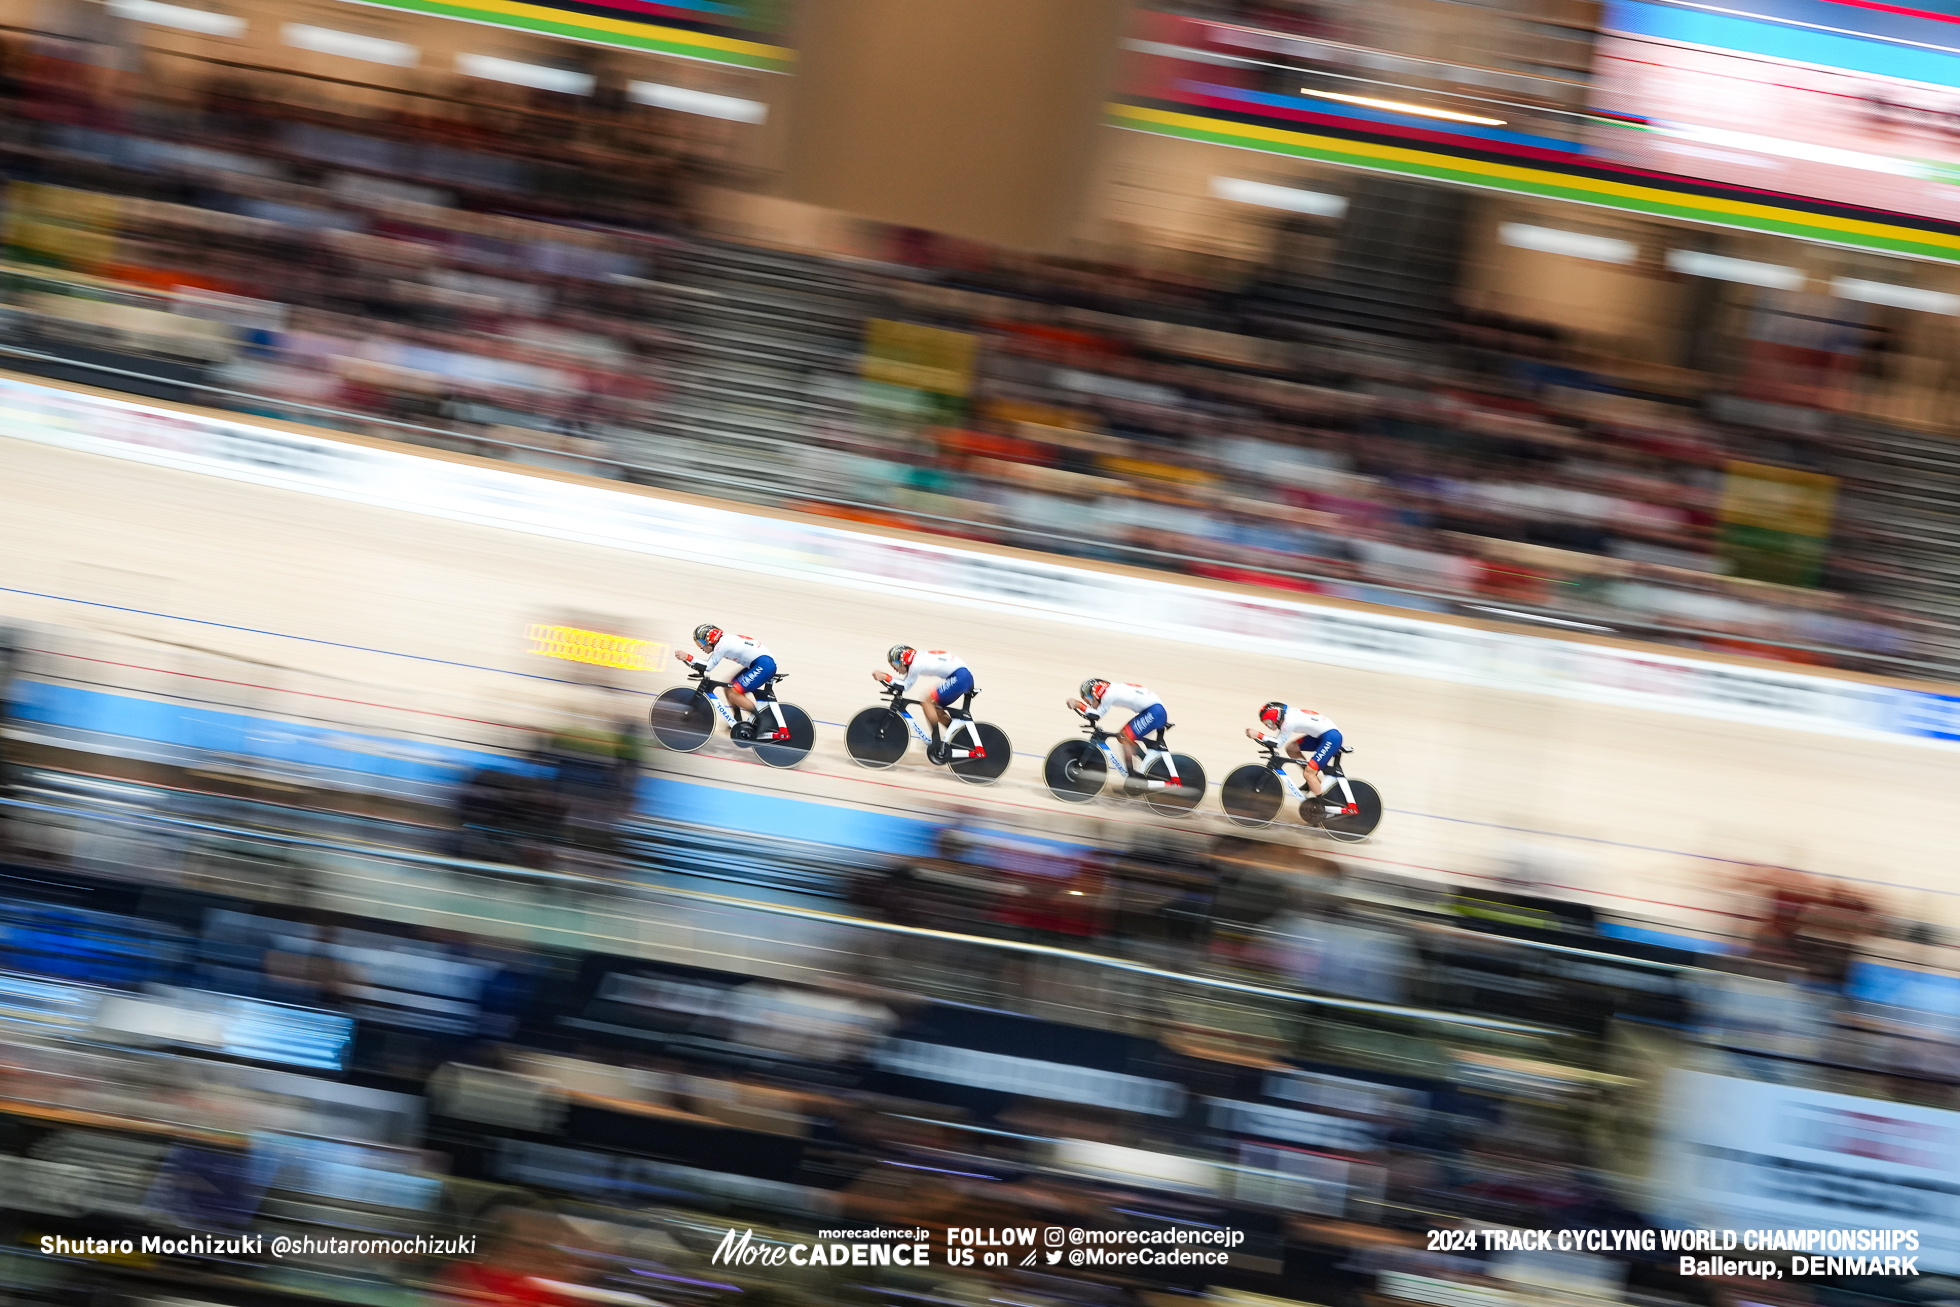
[{"x": 645, "y": 522}]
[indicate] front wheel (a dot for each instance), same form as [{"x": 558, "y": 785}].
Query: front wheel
[
  {"x": 1251, "y": 795},
  {"x": 1075, "y": 771},
  {"x": 876, "y": 737},
  {"x": 1181, "y": 794},
  {"x": 995, "y": 754},
  {"x": 794, "y": 745},
  {"x": 1358, "y": 826},
  {"x": 682, "y": 719}
]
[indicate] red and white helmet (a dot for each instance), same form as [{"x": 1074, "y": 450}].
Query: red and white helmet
[
  {"x": 900, "y": 656},
  {"x": 1094, "y": 689},
  {"x": 1272, "y": 714}
]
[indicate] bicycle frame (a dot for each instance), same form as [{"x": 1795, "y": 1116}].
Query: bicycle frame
[
  {"x": 903, "y": 707},
  {"x": 1299, "y": 793},
  {"x": 1151, "y": 752},
  {"x": 713, "y": 694}
]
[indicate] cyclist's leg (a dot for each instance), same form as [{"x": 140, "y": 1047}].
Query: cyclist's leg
[
  {"x": 1328, "y": 749},
  {"x": 1139, "y": 727},
  {"x": 741, "y": 690},
  {"x": 938, "y": 704},
  {"x": 1308, "y": 771}
]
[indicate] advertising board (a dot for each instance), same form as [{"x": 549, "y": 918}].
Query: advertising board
[
  {"x": 1861, "y": 108},
  {"x": 1751, "y": 1155}
]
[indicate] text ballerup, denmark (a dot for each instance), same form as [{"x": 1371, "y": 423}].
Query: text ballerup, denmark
[{"x": 1859, "y": 1243}]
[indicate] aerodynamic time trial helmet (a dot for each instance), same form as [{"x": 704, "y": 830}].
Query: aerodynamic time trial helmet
[
  {"x": 1094, "y": 689},
  {"x": 707, "y": 635},
  {"x": 900, "y": 656},
  {"x": 1272, "y": 714}
]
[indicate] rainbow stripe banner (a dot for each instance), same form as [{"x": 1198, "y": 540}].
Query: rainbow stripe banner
[
  {"x": 656, "y": 28},
  {"x": 1578, "y": 180}
]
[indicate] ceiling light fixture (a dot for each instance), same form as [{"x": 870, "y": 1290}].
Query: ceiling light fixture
[
  {"x": 166, "y": 15},
  {"x": 350, "y": 45},
  {"x": 1904, "y": 297},
  {"x": 1398, "y": 106},
  {"x": 1268, "y": 196},
  {"x": 1577, "y": 244},
  {"x": 1698, "y": 263},
  {"x": 684, "y": 99}
]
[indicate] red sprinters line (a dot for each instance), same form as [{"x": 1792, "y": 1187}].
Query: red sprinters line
[{"x": 1898, "y": 9}]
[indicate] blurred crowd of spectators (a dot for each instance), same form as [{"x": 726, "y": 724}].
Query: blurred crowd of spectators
[
  {"x": 523, "y": 278},
  {"x": 182, "y": 1060},
  {"x": 206, "y": 1028}
]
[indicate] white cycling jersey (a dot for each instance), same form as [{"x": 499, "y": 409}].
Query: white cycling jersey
[
  {"x": 1300, "y": 724},
  {"x": 1128, "y": 697},
  {"x": 738, "y": 649},
  {"x": 934, "y": 663}
]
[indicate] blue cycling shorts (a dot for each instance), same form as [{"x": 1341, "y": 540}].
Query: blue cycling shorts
[
  {"x": 1147, "y": 722},
  {"x": 755, "y": 674},
  {"x": 959, "y": 683},
  {"x": 1327, "y": 750}
]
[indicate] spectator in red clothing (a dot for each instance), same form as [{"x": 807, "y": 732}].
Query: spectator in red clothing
[{"x": 520, "y": 1262}]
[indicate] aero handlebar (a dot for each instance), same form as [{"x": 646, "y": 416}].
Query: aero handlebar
[{"x": 1091, "y": 722}]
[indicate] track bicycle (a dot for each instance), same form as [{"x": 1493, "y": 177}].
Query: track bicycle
[
  {"x": 684, "y": 720},
  {"x": 976, "y": 752},
  {"x": 1077, "y": 770},
  {"x": 1349, "y": 811}
]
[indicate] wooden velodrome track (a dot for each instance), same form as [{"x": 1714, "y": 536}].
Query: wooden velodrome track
[{"x": 290, "y": 604}]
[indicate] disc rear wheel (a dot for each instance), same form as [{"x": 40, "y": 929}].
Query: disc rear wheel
[
  {"x": 1360, "y": 824},
  {"x": 799, "y": 735},
  {"x": 1185, "y": 792},
  {"x": 996, "y": 753}
]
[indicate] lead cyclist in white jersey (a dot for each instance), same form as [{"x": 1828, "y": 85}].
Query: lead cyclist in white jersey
[
  {"x": 1291, "y": 729},
  {"x": 745, "y": 652},
  {"x": 1147, "y": 713},
  {"x": 954, "y": 680}
]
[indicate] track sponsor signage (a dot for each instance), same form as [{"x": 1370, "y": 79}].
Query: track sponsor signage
[
  {"x": 811, "y": 552},
  {"x": 1758, "y": 1156}
]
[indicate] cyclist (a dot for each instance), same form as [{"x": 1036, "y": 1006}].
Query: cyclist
[
  {"x": 1146, "y": 711},
  {"x": 1291, "y": 729},
  {"x": 749, "y": 654},
  {"x": 953, "y": 677}
]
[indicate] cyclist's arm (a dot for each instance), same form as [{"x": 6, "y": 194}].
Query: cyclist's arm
[{"x": 1287, "y": 741}]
